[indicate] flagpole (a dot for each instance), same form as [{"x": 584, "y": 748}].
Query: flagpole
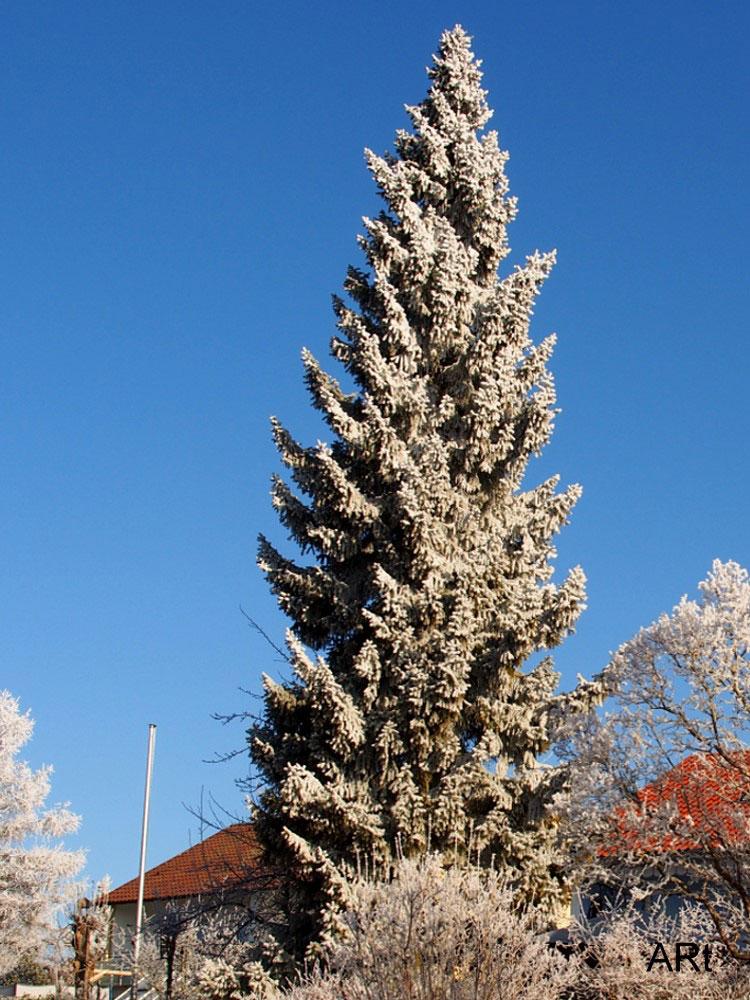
[{"x": 142, "y": 868}]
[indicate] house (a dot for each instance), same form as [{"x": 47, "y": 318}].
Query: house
[
  {"x": 689, "y": 830},
  {"x": 219, "y": 872},
  {"x": 212, "y": 868},
  {"x": 710, "y": 800}
]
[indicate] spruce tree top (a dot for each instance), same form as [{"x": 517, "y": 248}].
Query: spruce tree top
[{"x": 431, "y": 581}]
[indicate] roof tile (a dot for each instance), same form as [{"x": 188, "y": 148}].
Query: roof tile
[
  {"x": 711, "y": 795},
  {"x": 224, "y": 859}
]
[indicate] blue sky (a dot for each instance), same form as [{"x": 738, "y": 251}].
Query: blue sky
[{"x": 182, "y": 187}]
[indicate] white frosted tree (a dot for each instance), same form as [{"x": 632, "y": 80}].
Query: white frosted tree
[
  {"x": 660, "y": 804},
  {"x": 422, "y": 719},
  {"x": 35, "y": 870}
]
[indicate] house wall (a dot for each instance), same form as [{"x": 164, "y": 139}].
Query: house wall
[
  {"x": 122, "y": 933},
  {"x": 124, "y": 917}
]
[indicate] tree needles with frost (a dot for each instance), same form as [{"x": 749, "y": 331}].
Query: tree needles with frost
[
  {"x": 35, "y": 871},
  {"x": 430, "y": 581}
]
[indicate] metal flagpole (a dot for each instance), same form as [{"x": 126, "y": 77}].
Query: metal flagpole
[{"x": 142, "y": 869}]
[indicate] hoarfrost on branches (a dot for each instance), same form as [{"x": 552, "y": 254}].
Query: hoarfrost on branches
[
  {"x": 36, "y": 873},
  {"x": 660, "y": 800},
  {"x": 431, "y": 932},
  {"x": 211, "y": 959},
  {"x": 631, "y": 954}
]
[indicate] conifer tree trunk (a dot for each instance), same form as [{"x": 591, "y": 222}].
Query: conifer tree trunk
[{"x": 410, "y": 720}]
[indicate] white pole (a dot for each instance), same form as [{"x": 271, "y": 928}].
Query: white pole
[{"x": 142, "y": 868}]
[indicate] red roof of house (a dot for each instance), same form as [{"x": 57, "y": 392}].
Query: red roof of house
[
  {"x": 711, "y": 796},
  {"x": 222, "y": 860}
]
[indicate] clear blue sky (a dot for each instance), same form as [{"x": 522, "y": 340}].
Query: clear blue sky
[{"x": 182, "y": 185}]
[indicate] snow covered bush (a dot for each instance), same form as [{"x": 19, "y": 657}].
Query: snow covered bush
[
  {"x": 221, "y": 979},
  {"x": 210, "y": 959},
  {"x": 433, "y": 933},
  {"x": 36, "y": 874},
  {"x": 631, "y": 954}
]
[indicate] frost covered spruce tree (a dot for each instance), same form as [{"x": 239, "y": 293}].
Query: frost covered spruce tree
[{"x": 416, "y": 725}]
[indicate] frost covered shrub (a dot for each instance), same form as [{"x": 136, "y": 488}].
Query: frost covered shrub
[
  {"x": 621, "y": 946},
  {"x": 439, "y": 934},
  {"x": 453, "y": 934},
  {"x": 211, "y": 960},
  {"x": 219, "y": 979}
]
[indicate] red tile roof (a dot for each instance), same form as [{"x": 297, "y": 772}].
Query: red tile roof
[
  {"x": 219, "y": 861},
  {"x": 711, "y": 796}
]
